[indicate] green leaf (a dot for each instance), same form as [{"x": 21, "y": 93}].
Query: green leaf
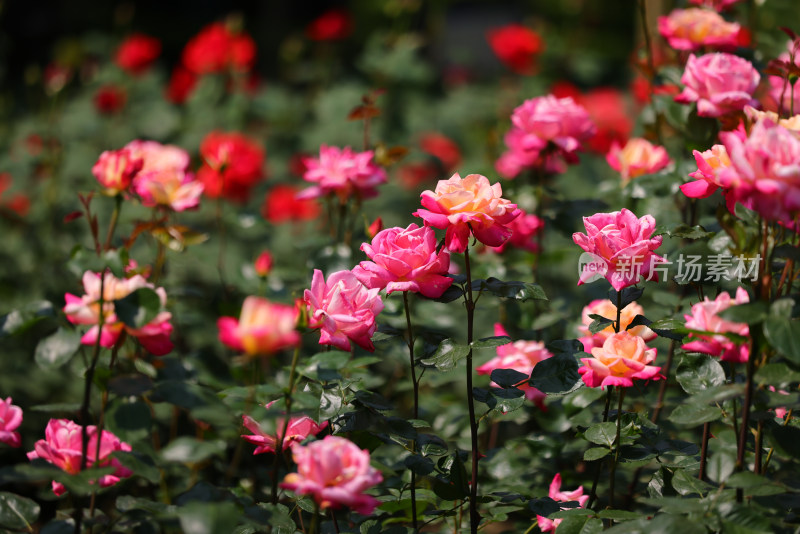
[
  {"x": 57, "y": 349},
  {"x": 686, "y": 484},
  {"x": 507, "y": 378},
  {"x": 602, "y": 433},
  {"x": 669, "y": 328},
  {"x": 580, "y": 525},
  {"x": 191, "y": 451},
  {"x": 749, "y": 313},
  {"x": 698, "y": 372},
  {"x": 626, "y": 296},
  {"x": 142, "y": 465},
  {"x": 514, "y": 290},
  {"x": 19, "y": 320},
  {"x": 595, "y": 453},
  {"x": 138, "y": 308},
  {"x": 784, "y": 336},
  {"x": 421, "y": 465},
  {"x": 720, "y": 466},
  {"x": 618, "y": 515},
  {"x": 786, "y": 438},
  {"x": 599, "y": 323},
  {"x": 557, "y": 375},
  {"x": 491, "y": 342},
  {"x": 684, "y": 231},
  {"x": 447, "y": 355},
  {"x": 17, "y": 512},
  {"x": 776, "y": 374},
  {"x": 209, "y": 517},
  {"x": 694, "y": 414},
  {"x": 450, "y": 294}
]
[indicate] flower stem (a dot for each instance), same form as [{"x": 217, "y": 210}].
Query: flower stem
[
  {"x": 612, "y": 473},
  {"x": 593, "y": 493},
  {"x": 114, "y": 218},
  {"x": 474, "y": 516},
  {"x": 288, "y": 401},
  {"x": 704, "y": 450},
  {"x": 415, "y": 385}
]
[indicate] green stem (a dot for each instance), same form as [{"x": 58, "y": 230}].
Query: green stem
[
  {"x": 288, "y": 401},
  {"x": 114, "y": 218},
  {"x": 474, "y": 516},
  {"x": 415, "y": 385},
  {"x": 704, "y": 450},
  {"x": 593, "y": 492},
  {"x": 613, "y": 471}
]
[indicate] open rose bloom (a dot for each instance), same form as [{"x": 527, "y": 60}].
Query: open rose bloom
[
  {"x": 343, "y": 309},
  {"x": 520, "y": 356},
  {"x": 342, "y": 172},
  {"x": 705, "y": 318},
  {"x": 638, "y": 156},
  {"x": 719, "y": 83},
  {"x": 622, "y": 359},
  {"x": 524, "y": 232},
  {"x": 299, "y": 429},
  {"x": 115, "y": 170},
  {"x": 467, "y": 206},
  {"x": 10, "y": 419},
  {"x": 516, "y": 46},
  {"x": 624, "y": 243},
  {"x": 695, "y": 28},
  {"x": 85, "y": 310},
  {"x": 709, "y": 164},
  {"x": 335, "y": 473},
  {"x": 606, "y": 308},
  {"x": 62, "y": 446},
  {"x": 555, "y": 493},
  {"x": 137, "y": 52},
  {"x": 262, "y": 329},
  {"x": 232, "y": 165},
  {"x": 164, "y": 179},
  {"x": 405, "y": 259}
]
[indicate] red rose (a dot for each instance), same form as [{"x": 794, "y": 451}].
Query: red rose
[
  {"x": 333, "y": 25},
  {"x": 181, "y": 85},
  {"x": 232, "y": 165},
  {"x": 516, "y": 46},
  {"x": 281, "y": 205},
  {"x": 137, "y": 52},
  {"x": 109, "y": 99}
]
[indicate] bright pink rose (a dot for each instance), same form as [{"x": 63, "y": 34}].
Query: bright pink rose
[
  {"x": 10, "y": 419},
  {"x": 62, "y": 446},
  {"x": 468, "y": 205},
  {"x": 705, "y": 317},
  {"x": 516, "y": 46},
  {"x": 720, "y": 84},
  {"x": 342, "y": 172},
  {"x": 164, "y": 180},
  {"x": 623, "y": 242},
  {"x": 343, "y": 308},
  {"x": 639, "y": 156},
  {"x": 694, "y": 28},
  {"x": 232, "y": 165},
  {"x": 335, "y": 472},
  {"x": 555, "y": 493},
  {"x": 764, "y": 174},
  {"x": 115, "y": 170},
  {"x": 299, "y": 429},
  {"x": 262, "y": 329},
  {"x": 606, "y": 308},
  {"x": 405, "y": 259},
  {"x": 520, "y": 356},
  {"x": 622, "y": 358},
  {"x": 263, "y": 264},
  {"x": 85, "y": 310},
  {"x": 709, "y": 165},
  {"x": 525, "y": 230}
]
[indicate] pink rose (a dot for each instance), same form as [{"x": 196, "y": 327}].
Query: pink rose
[
  {"x": 694, "y": 28},
  {"x": 262, "y": 329},
  {"x": 524, "y": 232},
  {"x": 85, "y": 310},
  {"x": 555, "y": 493},
  {"x": 343, "y": 309},
  {"x": 606, "y": 308},
  {"x": 299, "y": 429},
  {"x": 720, "y": 84},
  {"x": 709, "y": 165},
  {"x": 405, "y": 260},
  {"x": 10, "y": 419},
  {"x": 622, "y": 358},
  {"x": 623, "y": 242},
  {"x": 718, "y": 5},
  {"x": 342, "y": 172},
  {"x": 521, "y": 356},
  {"x": 705, "y": 317},
  {"x": 335, "y": 472},
  {"x": 764, "y": 174},
  {"x": 164, "y": 179},
  {"x": 468, "y": 205},
  {"x": 62, "y": 446},
  {"x": 638, "y": 156},
  {"x": 115, "y": 170}
]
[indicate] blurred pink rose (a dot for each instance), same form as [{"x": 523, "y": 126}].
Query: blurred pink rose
[
  {"x": 521, "y": 356},
  {"x": 10, "y": 419},
  {"x": 524, "y": 230},
  {"x": 638, "y": 156},
  {"x": 718, "y": 5},
  {"x": 262, "y": 329},
  {"x": 62, "y": 447},
  {"x": 343, "y": 308},
  {"x": 622, "y": 358},
  {"x": 85, "y": 310},
  {"x": 720, "y": 84},
  {"x": 709, "y": 165},
  {"x": 115, "y": 170},
  {"x": 764, "y": 174},
  {"x": 343, "y": 172},
  {"x": 705, "y": 317},
  {"x": 623, "y": 242},
  {"x": 405, "y": 259},
  {"x": 299, "y": 429},
  {"x": 606, "y": 308},
  {"x": 164, "y": 179},
  {"x": 555, "y": 493},
  {"x": 335, "y": 473},
  {"x": 468, "y": 205},
  {"x": 694, "y": 28}
]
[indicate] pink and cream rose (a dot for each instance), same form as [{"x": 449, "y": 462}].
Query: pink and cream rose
[
  {"x": 639, "y": 156},
  {"x": 622, "y": 359},
  {"x": 555, "y": 493},
  {"x": 695, "y": 28},
  {"x": 263, "y": 327},
  {"x": 299, "y": 429},
  {"x": 115, "y": 170},
  {"x": 710, "y": 338},
  {"x": 606, "y": 308}
]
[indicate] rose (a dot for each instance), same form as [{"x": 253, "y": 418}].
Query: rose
[
  {"x": 342, "y": 172},
  {"x": 720, "y": 84},
  {"x": 709, "y": 164},
  {"x": 694, "y": 28},
  {"x": 137, "y": 52},
  {"x": 262, "y": 329},
  {"x": 524, "y": 230},
  {"x": 705, "y": 318},
  {"x": 163, "y": 179},
  {"x": 10, "y": 419},
  {"x": 232, "y": 164},
  {"x": 555, "y": 493},
  {"x": 115, "y": 170},
  {"x": 622, "y": 358},
  {"x": 299, "y": 428},
  {"x": 606, "y": 308},
  {"x": 516, "y": 46},
  {"x": 638, "y": 156}
]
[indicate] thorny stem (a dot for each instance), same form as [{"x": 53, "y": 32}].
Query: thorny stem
[
  {"x": 415, "y": 385},
  {"x": 282, "y": 435},
  {"x": 613, "y": 471},
  {"x": 474, "y": 516}
]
